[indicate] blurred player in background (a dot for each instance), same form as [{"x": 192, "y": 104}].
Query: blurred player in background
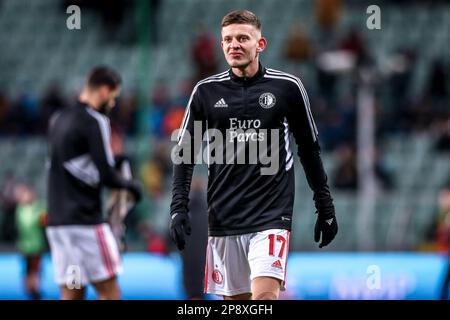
[
  {"x": 31, "y": 242},
  {"x": 82, "y": 245},
  {"x": 250, "y": 213}
]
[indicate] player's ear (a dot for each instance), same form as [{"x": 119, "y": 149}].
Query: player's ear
[
  {"x": 262, "y": 43},
  {"x": 222, "y": 44}
]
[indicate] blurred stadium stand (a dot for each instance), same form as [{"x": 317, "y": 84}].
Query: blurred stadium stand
[{"x": 39, "y": 51}]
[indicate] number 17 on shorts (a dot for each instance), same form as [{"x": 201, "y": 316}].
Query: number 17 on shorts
[
  {"x": 268, "y": 254},
  {"x": 232, "y": 262}
]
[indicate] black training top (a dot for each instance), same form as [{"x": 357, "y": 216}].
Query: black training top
[
  {"x": 237, "y": 115},
  {"x": 81, "y": 162}
]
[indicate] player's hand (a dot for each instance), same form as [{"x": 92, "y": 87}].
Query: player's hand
[
  {"x": 326, "y": 225},
  {"x": 180, "y": 226},
  {"x": 135, "y": 189}
]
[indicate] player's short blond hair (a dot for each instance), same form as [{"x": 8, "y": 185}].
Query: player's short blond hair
[{"x": 242, "y": 17}]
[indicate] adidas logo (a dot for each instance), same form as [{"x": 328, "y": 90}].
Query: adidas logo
[
  {"x": 277, "y": 264},
  {"x": 221, "y": 104},
  {"x": 329, "y": 221}
]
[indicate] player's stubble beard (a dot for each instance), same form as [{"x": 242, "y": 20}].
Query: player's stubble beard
[
  {"x": 244, "y": 64},
  {"x": 104, "y": 108}
]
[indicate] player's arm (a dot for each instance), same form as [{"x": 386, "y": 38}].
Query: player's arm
[
  {"x": 98, "y": 137},
  {"x": 304, "y": 130},
  {"x": 185, "y": 150}
]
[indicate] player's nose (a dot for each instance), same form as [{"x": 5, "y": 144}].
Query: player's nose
[{"x": 234, "y": 44}]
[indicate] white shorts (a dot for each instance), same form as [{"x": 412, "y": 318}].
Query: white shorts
[
  {"x": 83, "y": 254},
  {"x": 232, "y": 262}
]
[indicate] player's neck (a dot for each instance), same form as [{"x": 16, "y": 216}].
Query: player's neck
[
  {"x": 86, "y": 98},
  {"x": 247, "y": 72}
]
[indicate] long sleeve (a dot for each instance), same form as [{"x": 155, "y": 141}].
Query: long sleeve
[
  {"x": 188, "y": 144},
  {"x": 305, "y": 132},
  {"x": 98, "y": 137}
]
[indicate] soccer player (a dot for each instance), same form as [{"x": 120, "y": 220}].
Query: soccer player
[
  {"x": 250, "y": 210},
  {"x": 30, "y": 222},
  {"x": 82, "y": 245}
]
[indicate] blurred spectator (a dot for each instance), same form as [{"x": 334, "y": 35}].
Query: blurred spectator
[
  {"x": 419, "y": 116},
  {"x": 31, "y": 241},
  {"x": 354, "y": 44},
  {"x": 339, "y": 124},
  {"x": 332, "y": 65},
  {"x": 383, "y": 173},
  {"x": 399, "y": 71},
  {"x": 28, "y": 104},
  {"x": 51, "y": 102},
  {"x": 346, "y": 174},
  {"x": 155, "y": 170},
  {"x": 124, "y": 115},
  {"x": 204, "y": 56},
  {"x": 442, "y": 225},
  {"x": 24, "y": 114},
  {"x": 157, "y": 110},
  {"x": 328, "y": 13},
  {"x": 298, "y": 46},
  {"x": 326, "y": 80},
  {"x": 172, "y": 120},
  {"x": 441, "y": 130},
  {"x": 183, "y": 94},
  {"x": 438, "y": 89},
  {"x": 438, "y": 82},
  {"x": 443, "y": 236},
  {"x": 175, "y": 113},
  {"x": 337, "y": 64},
  {"x": 4, "y": 109},
  {"x": 8, "y": 202},
  {"x": 193, "y": 255},
  {"x": 154, "y": 242},
  {"x": 153, "y": 177}
]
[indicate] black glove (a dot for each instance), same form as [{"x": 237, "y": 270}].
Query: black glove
[
  {"x": 135, "y": 189},
  {"x": 179, "y": 226},
  {"x": 326, "y": 225}
]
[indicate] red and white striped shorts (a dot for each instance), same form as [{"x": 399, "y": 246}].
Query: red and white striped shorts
[
  {"x": 83, "y": 254},
  {"x": 232, "y": 262}
]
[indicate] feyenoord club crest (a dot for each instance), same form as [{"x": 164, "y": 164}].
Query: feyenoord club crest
[
  {"x": 217, "y": 276},
  {"x": 267, "y": 100}
]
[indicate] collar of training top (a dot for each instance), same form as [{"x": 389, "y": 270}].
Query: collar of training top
[
  {"x": 246, "y": 80},
  {"x": 78, "y": 103}
]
